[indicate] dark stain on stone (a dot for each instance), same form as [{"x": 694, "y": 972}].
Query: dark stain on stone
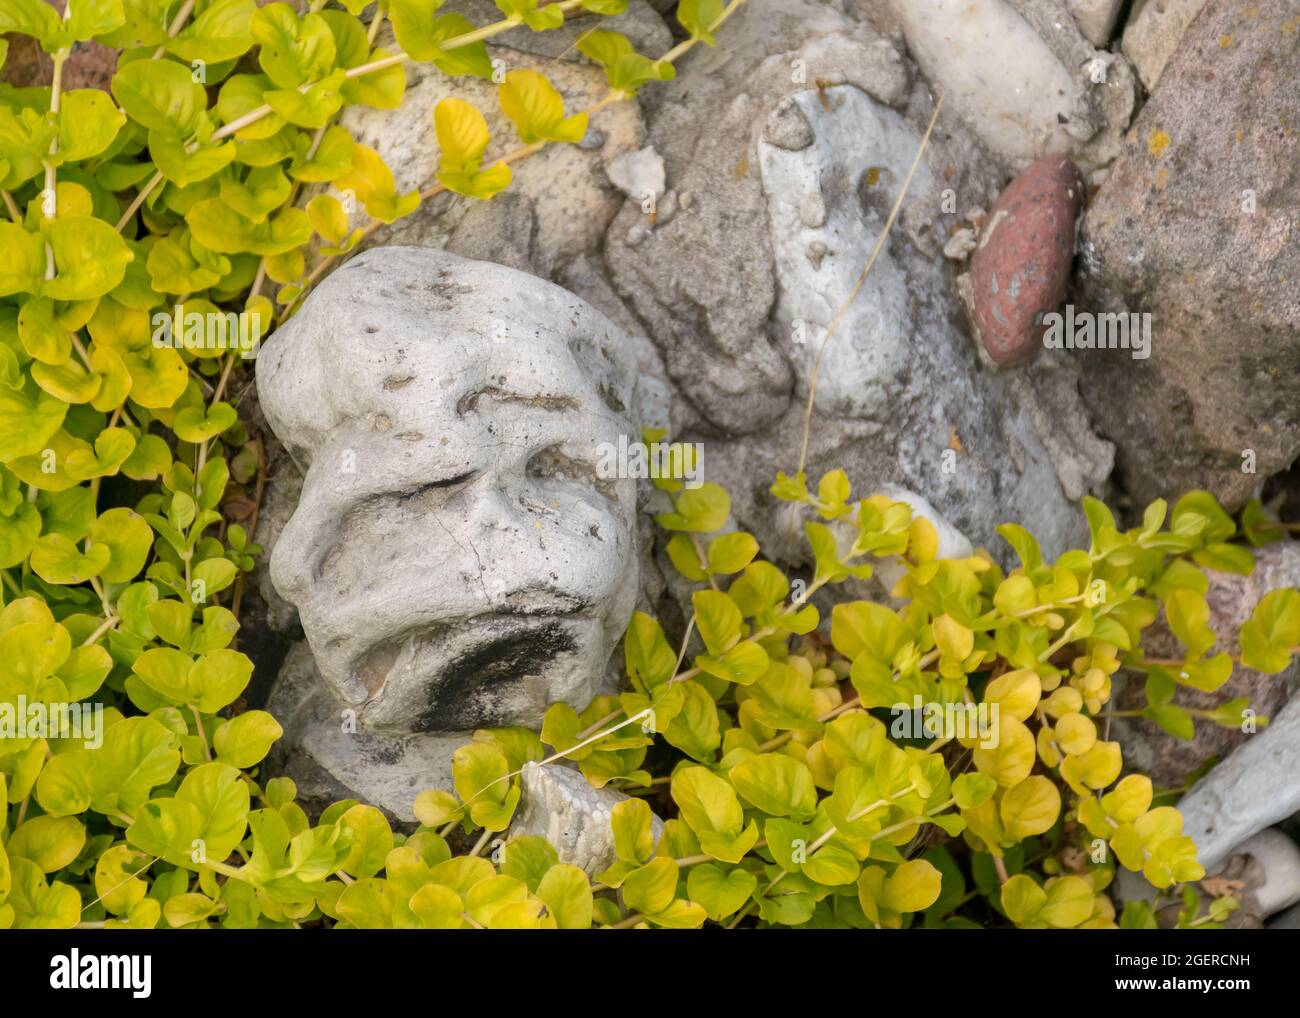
[
  {"x": 470, "y": 400},
  {"x": 475, "y": 684}
]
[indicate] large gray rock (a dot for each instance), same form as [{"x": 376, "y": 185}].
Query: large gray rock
[
  {"x": 1196, "y": 225},
  {"x": 1169, "y": 761},
  {"x": 1154, "y": 30},
  {"x": 1252, "y": 789},
  {"x": 459, "y": 556},
  {"x": 775, "y": 209},
  {"x": 1270, "y": 871},
  {"x": 1022, "y": 75}
]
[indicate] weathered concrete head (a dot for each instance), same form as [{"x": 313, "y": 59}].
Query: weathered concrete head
[{"x": 455, "y": 558}]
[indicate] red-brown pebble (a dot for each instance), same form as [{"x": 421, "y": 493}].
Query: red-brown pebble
[{"x": 1021, "y": 266}]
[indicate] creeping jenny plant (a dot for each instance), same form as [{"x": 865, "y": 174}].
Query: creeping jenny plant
[{"x": 127, "y": 478}]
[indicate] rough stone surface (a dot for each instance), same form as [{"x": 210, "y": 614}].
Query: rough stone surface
[
  {"x": 1252, "y": 789},
  {"x": 1169, "y": 760},
  {"x": 1021, "y": 265},
  {"x": 1268, "y": 865},
  {"x": 738, "y": 286},
  {"x": 708, "y": 312},
  {"x": 330, "y": 758},
  {"x": 1154, "y": 30},
  {"x": 457, "y": 558},
  {"x": 560, "y": 805},
  {"x": 560, "y": 202},
  {"x": 1022, "y": 76},
  {"x": 1196, "y": 225},
  {"x": 639, "y": 174},
  {"x": 1096, "y": 18}
]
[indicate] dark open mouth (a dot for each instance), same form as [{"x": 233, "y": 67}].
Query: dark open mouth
[{"x": 478, "y": 688}]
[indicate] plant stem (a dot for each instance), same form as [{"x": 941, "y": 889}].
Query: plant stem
[
  {"x": 177, "y": 24},
  {"x": 109, "y": 623},
  {"x": 198, "y": 724}
]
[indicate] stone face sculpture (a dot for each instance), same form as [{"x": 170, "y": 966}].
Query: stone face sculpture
[{"x": 456, "y": 559}]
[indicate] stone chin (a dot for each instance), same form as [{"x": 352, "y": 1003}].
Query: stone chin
[{"x": 495, "y": 669}]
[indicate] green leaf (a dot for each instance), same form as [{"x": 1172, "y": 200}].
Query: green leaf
[
  {"x": 567, "y": 894},
  {"x": 293, "y": 50},
  {"x": 528, "y": 858},
  {"x": 138, "y": 754},
  {"x": 1023, "y": 900},
  {"x": 34, "y": 650},
  {"x": 216, "y": 679},
  {"x": 972, "y": 790},
  {"x": 181, "y": 166},
  {"x": 625, "y": 69},
  {"x": 49, "y": 842},
  {"x": 55, "y": 559},
  {"x": 1198, "y": 514},
  {"x": 479, "y": 773},
  {"x": 831, "y": 866},
  {"x": 1188, "y": 615},
  {"x": 34, "y": 18},
  {"x": 631, "y": 823},
  {"x": 18, "y": 534},
  {"x": 128, "y": 539},
  {"x": 730, "y": 553},
  {"x": 240, "y": 95},
  {"x": 538, "y": 18},
  {"x": 650, "y": 660},
  {"x": 1272, "y": 634},
  {"x": 90, "y": 257},
  {"x": 699, "y": 510},
  {"x": 22, "y": 260},
  {"x": 537, "y": 110},
  {"x": 698, "y": 17},
  {"x": 222, "y": 31},
  {"x": 462, "y": 139},
  {"x": 198, "y": 424},
  {"x": 372, "y": 839},
  {"x": 719, "y": 891},
  {"x": 696, "y": 728},
  {"x": 779, "y": 785},
  {"x": 707, "y": 803},
  {"x": 220, "y": 228},
  {"x": 718, "y": 620},
  {"x": 160, "y": 96},
  {"x": 88, "y": 123},
  {"x": 91, "y": 18},
  {"x": 313, "y": 108},
  {"x": 117, "y": 880},
  {"x": 435, "y": 807},
  {"x": 219, "y": 794},
  {"x": 112, "y": 447},
  {"x": 40, "y": 905},
  {"x": 651, "y": 888}
]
